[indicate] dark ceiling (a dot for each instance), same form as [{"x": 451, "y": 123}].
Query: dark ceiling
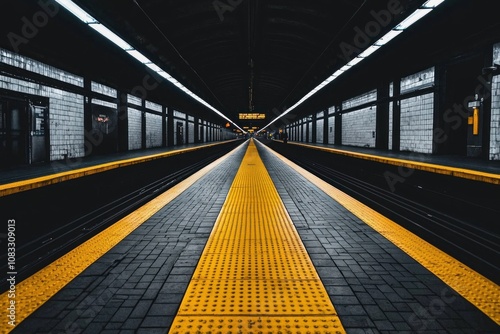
[{"x": 249, "y": 55}]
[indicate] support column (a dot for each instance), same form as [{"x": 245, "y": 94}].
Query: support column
[
  {"x": 338, "y": 125},
  {"x": 143, "y": 124},
  {"x": 382, "y": 126},
  {"x": 164, "y": 126},
  {"x": 396, "y": 116},
  {"x": 314, "y": 128},
  {"x": 170, "y": 126},
  {"x": 122, "y": 122},
  {"x": 325, "y": 127}
]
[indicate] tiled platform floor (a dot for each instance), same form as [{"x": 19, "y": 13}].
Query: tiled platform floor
[{"x": 138, "y": 285}]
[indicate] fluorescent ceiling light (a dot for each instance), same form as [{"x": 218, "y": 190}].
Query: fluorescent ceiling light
[
  {"x": 167, "y": 76},
  {"x": 369, "y": 51},
  {"x": 328, "y": 80},
  {"x": 354, "y": 61},
  {"x": 344, "y": 68},
  {"x": 425, "y": 9},
  {"x": 155, "y": 68},
  {"x": 388, "y": 37},
  {"x": 139, "y": 56},
  {"x": 111, "y": 36},
  {"x": 414, "y": 17},
  {"x": 336, "y": 74},
  {"x": 76, "y": 10},
  {"x": 163, "y": 74},
  {"x": 432, "y": 3},
  {"x": 321, "y": 85},
  {"x": 172, "y": 80}
]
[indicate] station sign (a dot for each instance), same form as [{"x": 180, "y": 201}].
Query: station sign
[{"x": 250, "y": 116}]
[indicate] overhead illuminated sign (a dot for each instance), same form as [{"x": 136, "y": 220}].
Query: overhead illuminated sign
[{"x": 252, "y": 116}]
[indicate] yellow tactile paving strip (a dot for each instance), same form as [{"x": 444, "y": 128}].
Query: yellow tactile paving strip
[
  {"x": 255, "y": 275},
  {"x": 19, "y": 186},
  {"x": 34, "y": 291},
  {"x": 416, "y": 165},
  {"x": 477, "y": 289}
]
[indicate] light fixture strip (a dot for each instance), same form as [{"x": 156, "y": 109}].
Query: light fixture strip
[
  {"x": 77, "y": 11},
  {"x": 111, "y": 36},
  {"x": 414, "y": 17},
  {"x": 115, "y": 39},
  {"x": 355, "y": 61},
  {"x": 432, "y": 3},
  {"x": 418, "y": 14},
  {"x": 368, "y": 51},
  {"x": 388, "y": 37}
]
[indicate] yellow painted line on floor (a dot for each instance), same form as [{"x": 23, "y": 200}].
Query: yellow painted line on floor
[
  {"x": 477, "y": 289},
  {"x": 255, "y": 275},
  {"x": 35, "y": 290},
  {"x": 416, "y": 165},
  {"x": 38, "y": 182}
]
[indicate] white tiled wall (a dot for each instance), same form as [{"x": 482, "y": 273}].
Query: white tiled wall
[
  {"x": 319, "y": 130},
  {"x": 66, "y": 124},
  {"x": 190, "y": 133},
  {"x": 153, "y": 106},
  {"x": 134, "y": 129},
  {"x": 19, "y": 61},
  {"x": 105, "y": 103},
  {"x": 134, "y": 100},
  {"x": 66, "y": 117},
  {"x": 359, "y": 127},
  {"x": 179, "y": 114},
  {"x": 419, "y": 79},
  {"x": 495, "y": 120},
  {"x": 417, "y": 113},
  {"x": 66, "y": 109},
  {"x": 103, "y": 89},
  {"x": 495, "y": 109},
  {"x": 153, "y": 130},
  {"x": 417, "y": 120},
  {"x": 359, "y": 100},
  {"x": 331, "y": 130}
]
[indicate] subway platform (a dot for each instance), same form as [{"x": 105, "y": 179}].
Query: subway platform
[
  {"x": 471, "y": 168},
  {"x": 11, "y": 177},
  {"x": 255, "y": 244}
]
